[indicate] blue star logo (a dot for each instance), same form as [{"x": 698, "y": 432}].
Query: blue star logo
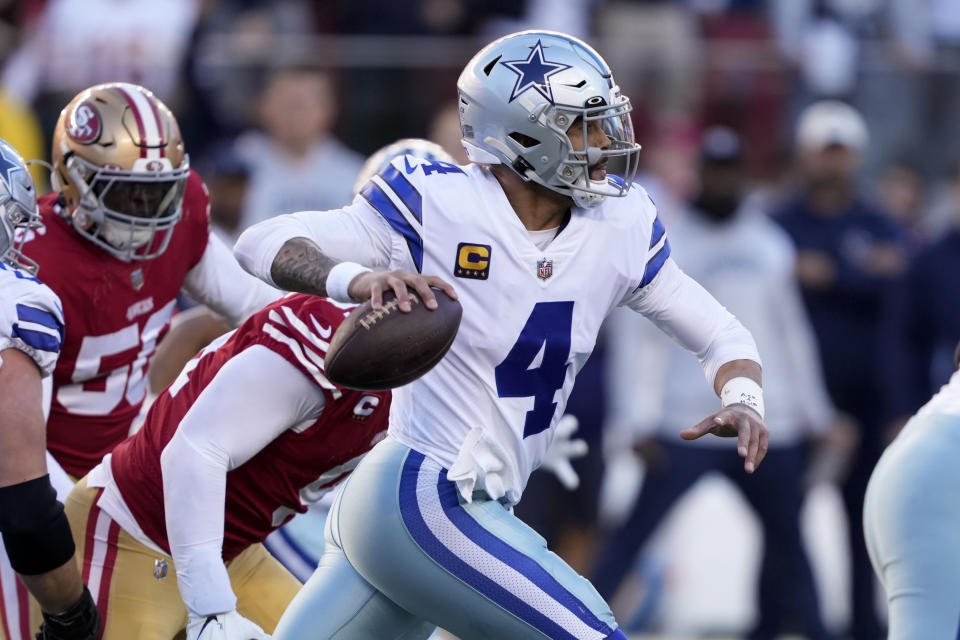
[
  {"x": 7, "y": 166},
  {"x": 534, "y": 73}
]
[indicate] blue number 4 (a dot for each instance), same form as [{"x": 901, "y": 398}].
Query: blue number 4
[{"x": 548, "y": 328}]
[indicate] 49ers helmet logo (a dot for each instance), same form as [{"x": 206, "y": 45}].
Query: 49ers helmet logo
[{"x": 85, "y": 124}]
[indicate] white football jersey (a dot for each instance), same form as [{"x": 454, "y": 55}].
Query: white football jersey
[
  {"x": 530, "y": 316},
  {"x": 31, "y": 318}
]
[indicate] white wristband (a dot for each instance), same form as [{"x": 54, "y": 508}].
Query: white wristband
[
  {"x": 742, "y": 391},
  {"x": 339, "y": 278}
]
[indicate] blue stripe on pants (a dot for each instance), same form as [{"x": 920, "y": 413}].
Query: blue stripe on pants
[{"x": 438, "y": 551}]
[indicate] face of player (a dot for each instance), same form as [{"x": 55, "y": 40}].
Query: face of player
[
  {"x": 595, "y": 137},
  {"x": 140, "y": 199}
]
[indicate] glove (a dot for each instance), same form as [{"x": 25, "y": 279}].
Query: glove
[
  {"x": 224, "y": 626},
  {"x": 79, "y": 622},
  {"x": 562, "y": 450}
]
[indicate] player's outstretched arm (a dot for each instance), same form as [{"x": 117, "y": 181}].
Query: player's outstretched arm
[
  {"x": 738, "y": 385},
  {"x": 35, "y": 530},
  {"x": 254, "y": 397}
]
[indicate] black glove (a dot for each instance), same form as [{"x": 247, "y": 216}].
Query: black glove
[{"x": 79, "y": 622}]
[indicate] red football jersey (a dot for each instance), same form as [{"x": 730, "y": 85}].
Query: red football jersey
[
  {"x": 290, "y": 473},
  {"x": 115, "y": 313}
]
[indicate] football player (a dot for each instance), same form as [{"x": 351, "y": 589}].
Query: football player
[
  {"x": 249, "y": 434},
  {"x": 544, "y": 242},
  {"x": 911, "y": 515},
  {"x": 125, "y": 231},
  {"x": 35, "y": 530}
]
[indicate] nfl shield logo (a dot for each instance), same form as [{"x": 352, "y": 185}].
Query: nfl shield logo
[
  {"x": 544, "y": 268},
  {"x": 160, "y": 568},
  {"x": 136, "y": 279}
]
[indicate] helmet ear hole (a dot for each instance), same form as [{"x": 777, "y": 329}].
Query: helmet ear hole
[
  {"x": 487, "y": 69},
  {"x": 523, "y": 139}
]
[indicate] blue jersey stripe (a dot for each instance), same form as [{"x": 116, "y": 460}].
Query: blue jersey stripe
[
  {"x": 37, "y": 339},
  {"x": 379, "y": 201},
  {"x": 404, "y": 190},
  {"x": 39, "y": 316},
  {"x": 655, "y": 263},
  {"x": 657, "y": 233},
  {"x": 435, "y": 549}
]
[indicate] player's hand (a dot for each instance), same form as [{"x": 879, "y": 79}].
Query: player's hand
[
  {"x": 740, "y": 422},
  {"x": 564, "y": 448},
  {"x": 224, "y": 626},
  {"x": 372, "y": 284}
]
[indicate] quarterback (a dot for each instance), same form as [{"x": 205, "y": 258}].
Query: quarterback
[
  {"x": 543, "y": 243},
  {"x": 125, "y": 230},
  {"x": 35, "y": 531}
]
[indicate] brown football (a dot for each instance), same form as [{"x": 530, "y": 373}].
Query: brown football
[{"x": 378, "y": 350}]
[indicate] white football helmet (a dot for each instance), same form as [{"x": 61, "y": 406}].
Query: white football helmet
[
  {"x": 519, "y": 97},
  {"x": 416, "y": 147},
  {"x": 18, "y": 208}
]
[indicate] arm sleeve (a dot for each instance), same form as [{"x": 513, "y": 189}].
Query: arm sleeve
[
  {"x": 227, "y": 425},
  {"x": 219, "y": 282},
  {"x": 684, "y": 310},
  {"x": 356, "y": 233}
]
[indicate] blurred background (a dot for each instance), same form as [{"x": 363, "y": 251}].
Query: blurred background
[{"x": 805, "y": 159}]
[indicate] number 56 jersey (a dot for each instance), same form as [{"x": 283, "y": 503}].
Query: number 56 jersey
[
  {"x": 115, "y": 314},
  {"x": 532, "y": 309}
]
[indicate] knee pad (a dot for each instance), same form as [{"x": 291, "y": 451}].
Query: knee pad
[{"x": 35, "y": 529}]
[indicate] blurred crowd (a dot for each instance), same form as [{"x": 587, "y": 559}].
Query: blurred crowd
[{"x": 804, "y": 156}]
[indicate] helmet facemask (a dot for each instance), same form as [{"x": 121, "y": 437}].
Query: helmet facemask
[
  {"x": 131, "y": 214},
  {"x": 16, "y": 219},
  {"x": 619, "y": 158}
]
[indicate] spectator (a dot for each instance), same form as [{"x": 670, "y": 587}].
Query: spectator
[
  {"x": 746, "y": 262},
  {"x": 850, "y": 255},
  {"x": 79, "y": 43},
  {"x": 230, "y": 48},
  {"x": 926, "y": 326},
  {"x": 295, "y": 163}
]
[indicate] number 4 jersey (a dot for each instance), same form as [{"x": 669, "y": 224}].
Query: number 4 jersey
[{"x": 532, "y": 306}]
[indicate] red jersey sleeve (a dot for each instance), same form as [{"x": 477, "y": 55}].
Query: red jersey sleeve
[{"x": 299, "y": 327}]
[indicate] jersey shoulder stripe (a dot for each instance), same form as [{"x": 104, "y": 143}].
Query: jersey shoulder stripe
[
  {"x": 303, "y": 345},
  {"x": 377, "y": 192},
  {"x": 38, "y": 328},
  {"x": 31, "y": 317},
  {"x": 404, "y": 190},
  {"x": 655, "y": 263}
]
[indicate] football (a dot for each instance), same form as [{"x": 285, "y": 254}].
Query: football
[{"x": 378, "y": 350}]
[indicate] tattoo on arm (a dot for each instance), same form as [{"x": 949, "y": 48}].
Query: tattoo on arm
[{"x": 301, "y": 266}]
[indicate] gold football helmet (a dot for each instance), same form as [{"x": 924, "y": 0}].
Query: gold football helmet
[{"x": 119, "y": 161}]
